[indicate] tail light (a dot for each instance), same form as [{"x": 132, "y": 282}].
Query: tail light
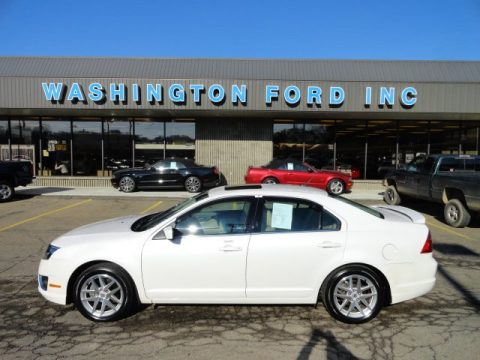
[{"x": 427, "y": 247}]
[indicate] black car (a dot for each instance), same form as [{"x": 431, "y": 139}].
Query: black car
[
  {"x": 171, "y": 173},
  {"x": 12, "y": 174}
]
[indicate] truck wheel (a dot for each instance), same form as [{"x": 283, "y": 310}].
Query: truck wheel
[
  {"x": 391, "y": 196},
  {"x": 456, "y": 214},
  {"x": 6, "y": 191}
]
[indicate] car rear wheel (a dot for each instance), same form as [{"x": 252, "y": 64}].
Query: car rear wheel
[
  {"x": 456, "y": 214},
  {"x": 6, "y": 191},
  {"x": 353, "y": 294},
  {"x": 127, "y": 184},
  {"x": 391, "y": 196},
  {"x": 336, "y": 187},
  {"x": 270, "y": 180},
  {"x": 193, "y": 184},
  {"x": 104, "y": 292}
]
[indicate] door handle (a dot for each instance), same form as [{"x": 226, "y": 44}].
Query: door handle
[
  {"x": 229, "y": 248},
  {"x": 329, "y": 245}
]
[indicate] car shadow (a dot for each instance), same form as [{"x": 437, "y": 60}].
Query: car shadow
[{"x": 334, "y": 349}]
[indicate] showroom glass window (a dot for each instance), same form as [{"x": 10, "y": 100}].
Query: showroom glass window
[
  {"x": 445, "y": 137},
  {"x": 220, "y": 218},
  {"x": 180, "y": 139},
  {"x": 87, "y": 147},
  {"x": 56, "y": 146},
  {"x": 413, "y": 140},
  {"x": 117, "y": 145},
  {"x": 319, "y": 143},
  {"x": 4, "y": 140},
  {"x": 25, "y": 140},
  {"x": 470, "y": 138},
  {"x": 382, "y": 148},
  {"x": 350, "y": 141},
  {"x": 288, "y": 140},
  {"x": 149, "y": 141}
]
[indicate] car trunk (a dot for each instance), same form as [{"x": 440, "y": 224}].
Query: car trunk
[{"x": 400, "y": 214}]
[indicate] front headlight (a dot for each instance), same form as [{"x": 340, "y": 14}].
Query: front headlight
[{"x": 49, "y": 252}]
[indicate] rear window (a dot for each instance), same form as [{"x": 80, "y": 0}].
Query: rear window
[{"x": 360, "y": 206}]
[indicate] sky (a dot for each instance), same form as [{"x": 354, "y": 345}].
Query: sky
[{"x": 333, "y": 29}]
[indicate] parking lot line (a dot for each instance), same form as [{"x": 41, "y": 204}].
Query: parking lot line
[
  {"x": 151, "y": 207},
  {"x": 449, "y": 230},
  {"x": 44, "y": 214}
]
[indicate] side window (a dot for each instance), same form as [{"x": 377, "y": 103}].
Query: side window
[
  {"x": 280, "y": 215},
  {"x": 300, "y": 167},
  {"x": 222, "y": 217},
  {"x": 451, "y": 164},
  {"x": 175, "y": 165}
]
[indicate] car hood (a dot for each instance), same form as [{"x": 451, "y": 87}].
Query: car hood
[
  {"x": 400, "y": 214},
  {"x": 109, "y": 228}
]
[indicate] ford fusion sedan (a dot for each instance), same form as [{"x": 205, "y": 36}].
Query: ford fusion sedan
[
  {"x": 256, "y": 244},
  {"x": 299, "y": 173},
  {"x": 172, "y": 173}
]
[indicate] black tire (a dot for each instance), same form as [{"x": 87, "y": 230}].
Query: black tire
[
  {"x": 109, "y": 299},
  {"x": 6, "y": 191},
  {"x": 127, "y": 184},
  {"x": 270, "y": 180},
  {"x": 193, "y": 184},
  {"x": 336, "y": 187},
  {"x": 391, "y": 195},
  {"x": 456, "y": 214},
  {"x": 345, "y": 303}
]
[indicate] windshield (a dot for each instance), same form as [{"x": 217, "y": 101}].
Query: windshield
[
  {"x": 359, "y": 206},
  {"x": 149, "y": 221}
]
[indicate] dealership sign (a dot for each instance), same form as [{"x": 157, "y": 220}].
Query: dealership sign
[{"x": 218, "y": 94}]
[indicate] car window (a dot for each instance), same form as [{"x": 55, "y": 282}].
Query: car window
[
  {"x": 451, "y": 164},
  {"x": 472, "y": 164},
  {"x": 168, "y": 165},
  {"x": 281, "y": 215},
  {"x": 222, "y": 217}
]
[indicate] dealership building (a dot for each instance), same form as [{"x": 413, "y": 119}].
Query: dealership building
[{"x": 87, "y": 117}]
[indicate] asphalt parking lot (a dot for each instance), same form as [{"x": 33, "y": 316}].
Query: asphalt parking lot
[{"x": 444, "y": 324}]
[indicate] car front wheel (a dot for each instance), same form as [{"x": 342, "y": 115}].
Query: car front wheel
[
  {"x": 353, "y": 294},
  {"x": 126, "y": 184},
  {"x": 391, "y": 196},
  {"x": 6, "y": 191},
  {"x": 456, "y": 214},
  {"x": 336, "y": 187},
  {"x": 104, "y": 292}
]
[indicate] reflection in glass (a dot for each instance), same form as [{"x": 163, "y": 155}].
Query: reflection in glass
[
  {"x": 25, "y": 140},
  {"x": 149, "y": 141},
  {"x": 470, "y": 138},
  {"x": 118, "y": 136},
  {"x": 288, "y": 141},
  {"x": 319, "y": 143},
  {"x": 87, "y": 147},
  {"x": 56, "y": 156},
  {"x": 180, "y": 140},
  {"x": 350, "y": 148}
]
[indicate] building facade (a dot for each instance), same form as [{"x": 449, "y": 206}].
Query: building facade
[{"x": 91, "y": 116}]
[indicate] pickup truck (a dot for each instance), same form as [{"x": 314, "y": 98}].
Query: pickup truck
[
  {"x": 453, "y": 180},
  {"x": 13, "y": 174}
]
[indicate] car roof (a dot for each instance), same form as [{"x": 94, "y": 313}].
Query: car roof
[{"x": 267, "y": 190}]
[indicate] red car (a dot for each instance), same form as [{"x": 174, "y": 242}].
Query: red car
[{"x": 299, "y": 173}]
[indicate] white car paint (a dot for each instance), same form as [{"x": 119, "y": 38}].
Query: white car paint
[{"x": 250, "y": 268}]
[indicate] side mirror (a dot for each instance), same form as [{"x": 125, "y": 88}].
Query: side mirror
[
  {"x": 310, "y": 170},
  {"x": 165, "y": 234}
]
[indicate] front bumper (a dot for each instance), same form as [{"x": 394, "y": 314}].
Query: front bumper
[{"x": 52, "y": 281}]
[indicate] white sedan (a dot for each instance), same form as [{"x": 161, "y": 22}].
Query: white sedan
[{"x": 255, "y": 244}]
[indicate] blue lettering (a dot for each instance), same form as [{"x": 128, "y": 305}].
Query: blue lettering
[
  {"x": 368, "y": 96},
  {"x": 409, "y": 96},
  {"x": 337, "y": 95},
  {"x": 117, "y": 92},
  {"x": 216, "y": 93},
  {"x": 196, "y": 89},
  {"x": 271, "y": 91},
  {"x": 135, "y": 93},
  {"x": 292, "y": 94},
  {"x": 52, "y": 91},
  {"x": 239, "y": 94},
  {"x": 387, "y": 96},
  {"x": 75, "y": 93},
  {"x": 154, "y": 92},
  {"x": 95, "y": 92},
  {"x": 176, "y": 93},
  {"x": 314, "y": 94}
]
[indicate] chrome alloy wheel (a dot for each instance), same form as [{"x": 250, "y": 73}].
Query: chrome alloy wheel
[
  {"x": 336, "y": 187},
  {"x": 270, "y": 181},
  {"x": 193, "y": 184},
  {"x": 102, "y": 295},
  {"x": 5, "y": 191},
  {"x": 390, "y": 194},
  {"x": 452, "y": 212},
  {"x": 355, "y": 296},
  {"x": 127, "y": 184}
]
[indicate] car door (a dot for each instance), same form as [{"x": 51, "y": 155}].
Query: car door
[
  {"x": 206, "y": 260},
  {"x": 294, "y": 246},
  {"x": 299, "y": 174}
]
